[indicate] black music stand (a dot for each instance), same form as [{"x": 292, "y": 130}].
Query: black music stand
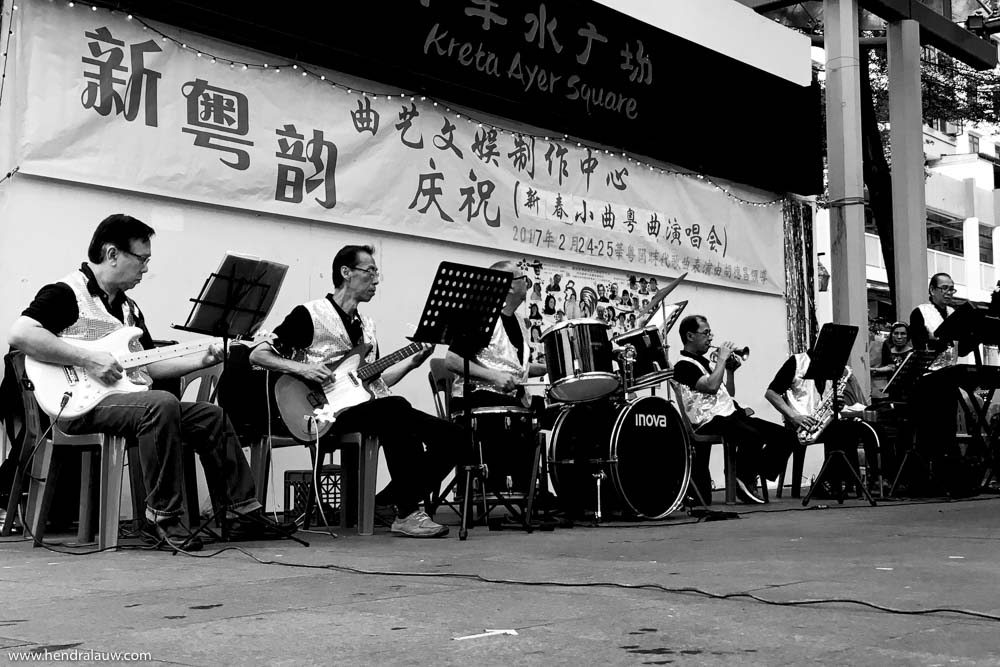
[
  {"x": 461, "y": 311},
  {"x": 233, "y": 302},
  {"x": 827, "y": 362}
]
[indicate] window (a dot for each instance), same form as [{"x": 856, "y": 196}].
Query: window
[{"x": 973, "y": 143}]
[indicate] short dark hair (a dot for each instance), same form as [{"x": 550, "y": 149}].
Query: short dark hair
[
  {"x": 348, "y": 256},
  {"x": 119, "y": 230},
  {"x": 688, "y": 325},
  {"x": 934, "y": 280}
]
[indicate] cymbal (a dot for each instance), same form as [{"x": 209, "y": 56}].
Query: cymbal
[{"x": 647, "y": 311}]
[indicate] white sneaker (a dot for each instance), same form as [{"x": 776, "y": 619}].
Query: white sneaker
[
  {"x": 746, "y": 495},
  {"x": 418, "y": 524}
]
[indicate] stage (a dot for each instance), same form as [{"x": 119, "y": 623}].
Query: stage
[{"x": 231, "y": 609}]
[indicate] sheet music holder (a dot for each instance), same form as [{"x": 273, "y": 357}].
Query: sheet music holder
[
  {"x": 234, "y": 301},
  {"x": 914, "y": 366},
  {"x": 831, "y": 352},
  {"x": 236, "y": 298},
  {"x": 970, "y": 326},
  {"x": 667, "y": 317},
  {"x": 461, "y": 311},
  {"x": 826, "y": 364}
]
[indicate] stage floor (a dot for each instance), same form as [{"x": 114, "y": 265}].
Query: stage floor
[{"x": 625, "y": 594}]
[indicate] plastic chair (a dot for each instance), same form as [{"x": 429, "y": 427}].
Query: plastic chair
[
  {"x": 45, "y": 462},
  {"x": 442, "y": 380},
  {"x": 728, "y": 449}
]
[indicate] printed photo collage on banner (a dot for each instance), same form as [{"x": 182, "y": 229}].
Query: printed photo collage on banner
[{"x": 561, "y": 292}]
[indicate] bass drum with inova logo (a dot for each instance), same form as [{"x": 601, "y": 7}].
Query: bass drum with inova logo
[{"x": 639, "y": 446}]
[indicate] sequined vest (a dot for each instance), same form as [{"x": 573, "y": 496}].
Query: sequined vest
[
  {"x": 331, "y": 340},
  {"x": 802, "y": 395},
  {"x": 94, "y": 321},
  {"x": 700, "y": 407},
  {"x": 499, "y": 355},
  {"x": 932, "y": 320}
]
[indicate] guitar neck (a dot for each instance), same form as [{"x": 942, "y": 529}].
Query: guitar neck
[
  {"x": 144, "y": 357},
  {"x": 368, "y": 371}
]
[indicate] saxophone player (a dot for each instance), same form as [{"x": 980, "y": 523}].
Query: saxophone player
[{"x": 808, "y": 408}]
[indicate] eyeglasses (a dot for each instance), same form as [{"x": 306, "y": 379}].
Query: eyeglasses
[
  {"x": 706, "y": 332},
  {"x": 371, "y": 270},
  {"x": 527, "y": 281},
  {"x": 143, "y": 259},
  {"x": 947, "y": 289}
]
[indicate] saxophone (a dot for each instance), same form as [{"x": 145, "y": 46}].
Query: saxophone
[{"x": 823, "y": 414}]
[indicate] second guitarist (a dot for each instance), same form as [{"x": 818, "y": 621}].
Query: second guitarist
[{"x": 320, "y": 331}]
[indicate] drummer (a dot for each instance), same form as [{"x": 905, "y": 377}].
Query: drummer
[{"x": 498, "y": 371}]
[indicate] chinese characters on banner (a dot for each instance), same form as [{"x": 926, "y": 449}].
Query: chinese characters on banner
[{"x": 287, "y": 142}]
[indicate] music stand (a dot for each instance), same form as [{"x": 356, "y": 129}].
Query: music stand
[
  {"x": 914, "y": 366},
  {"x": 461, "y": 311},
  {"x": 827, "y": 362},
  {"x": 233, "y": 302}
]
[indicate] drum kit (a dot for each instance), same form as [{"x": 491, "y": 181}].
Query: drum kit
[
  {"x": 600, "y": 428},
  {"x": 603, "y": 431}
]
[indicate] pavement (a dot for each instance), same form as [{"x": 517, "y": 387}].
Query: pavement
[{"x": 780, "y": 585}]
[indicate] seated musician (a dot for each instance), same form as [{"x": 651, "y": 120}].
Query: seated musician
[
  {"x": 91, "y": 303},
  {"x": 497, "y": 372},
  {"x": 807, "y": 407},
  {"x": 761, "y": 447},
  {"x": 323, "y": 330}
]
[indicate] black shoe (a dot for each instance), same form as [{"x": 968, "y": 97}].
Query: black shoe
[
  {"x": 171, "y": 534},
  {"x": 256, "y": 526}
]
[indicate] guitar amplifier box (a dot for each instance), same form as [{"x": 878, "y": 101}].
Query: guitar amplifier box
[{"x": 299, "y": 492}]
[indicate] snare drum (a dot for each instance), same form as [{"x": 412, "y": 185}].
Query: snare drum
[
  {"x": 650, "y": 367},
  {"x": 507, "y": 438},
  {"x": 641, "y": 446},
  {"x": 578, "y": 358}
]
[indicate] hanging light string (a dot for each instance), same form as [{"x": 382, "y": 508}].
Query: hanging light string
[
  {"x": 301, "y": 70},
  {"x": 6, "y": 50}
]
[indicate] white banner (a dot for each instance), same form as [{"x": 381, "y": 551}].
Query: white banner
[{"x": 104, "y": 99}]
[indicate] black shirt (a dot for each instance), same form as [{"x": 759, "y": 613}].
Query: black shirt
[
  {"x": 784, "y": 378},
  {"x": 296, "y": 331},
  {"x": 55, "y": 307},
  {"x": 687, "y": 371}
]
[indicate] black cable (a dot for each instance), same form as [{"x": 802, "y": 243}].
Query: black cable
[{"x": 680, "y": 590}]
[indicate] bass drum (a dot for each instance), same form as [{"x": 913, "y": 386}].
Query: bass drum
[{"x": 639, "y": 445}]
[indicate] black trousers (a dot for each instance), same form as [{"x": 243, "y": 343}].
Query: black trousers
[
  {"x": 163, "y": 425},
  {"x": 762, "y": 447},
  {"x": 420, "y": 450}
]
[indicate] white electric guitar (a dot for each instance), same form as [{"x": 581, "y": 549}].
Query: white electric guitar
[{"x": 56, "y": 383}]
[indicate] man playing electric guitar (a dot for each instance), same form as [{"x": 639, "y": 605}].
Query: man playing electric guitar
[
  {"x": 324, "y": 330},
  {"x": 89, "y": 304}
]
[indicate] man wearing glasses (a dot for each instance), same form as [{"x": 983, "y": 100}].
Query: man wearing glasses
[
  {"x": 324, "y": 330},
  {"x": 933, "y": 398},
  {"x": 705, "y": 393},
  {"x": 91, "y": 303},
  {"x": 927, "y": 317},
  {"x": 497, "y": 372}
]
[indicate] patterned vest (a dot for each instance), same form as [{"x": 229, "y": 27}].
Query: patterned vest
[
  {"x": 331, "y": 340},
  {"x": 932, "y": 320},
  {"x": 802, "y": 395},
  {"x": 499, "y": 355},
  {"x": 700, "y": 407},
  {"x": 96, "y": 322}
]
